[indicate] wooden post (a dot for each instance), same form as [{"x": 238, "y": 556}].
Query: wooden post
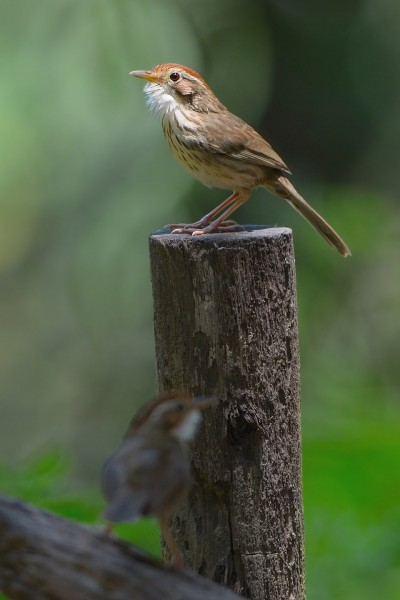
[{"x": 226, "y": 325}]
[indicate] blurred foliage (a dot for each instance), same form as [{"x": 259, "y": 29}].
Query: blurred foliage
[
  {"x": 41, "y": 481},
  {"x": 85, "y": 176}
]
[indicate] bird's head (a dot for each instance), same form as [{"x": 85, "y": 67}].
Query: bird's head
[
  {"x": 177, "y": 414},
  {"x": 171, "y": 86}
]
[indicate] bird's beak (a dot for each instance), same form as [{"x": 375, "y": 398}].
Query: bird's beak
[
  {"x": 202, "y": 402},
  {"x": 144, "y": 75}
]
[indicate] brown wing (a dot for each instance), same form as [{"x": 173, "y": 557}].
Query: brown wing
[
  {"x": 225, "y": 133},
  {"x": 142, "y": 479}
]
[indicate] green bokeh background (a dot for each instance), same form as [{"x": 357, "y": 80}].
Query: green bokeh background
[{"x": 85, "y": 175}]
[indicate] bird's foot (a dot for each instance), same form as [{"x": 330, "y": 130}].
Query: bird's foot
[
  {"x": 186, "y": 226},
  {"x": 200, "y": 228},
  {"x": 177, "y": 561},
  {"x": 224, "y": 227}
]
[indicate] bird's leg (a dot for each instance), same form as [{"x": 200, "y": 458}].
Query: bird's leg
[
  {"x": 170, "y": 542},
  {"x": 219, "y": 223},
  {"x": 108, "y": 529},
  {"x": 138, "y": 554},
  {"x": 206, "y": 220}
]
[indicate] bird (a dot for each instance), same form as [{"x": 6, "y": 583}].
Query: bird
[
  {"x": 220, "y": 150},
  {"x": 150, "y": 474}
]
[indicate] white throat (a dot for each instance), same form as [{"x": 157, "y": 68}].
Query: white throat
[
  {"x": 185, "y": 431},
  {"x": 159, "y": 100}
]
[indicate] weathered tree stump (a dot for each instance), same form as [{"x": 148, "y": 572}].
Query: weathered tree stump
[
  {"x": 226, "y": 326},
  {"x": 45, "y": 557}
]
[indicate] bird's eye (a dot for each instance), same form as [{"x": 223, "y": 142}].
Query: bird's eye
[
  {"x": 180, "y": 406},
  {"x": 174, "y": 77}
]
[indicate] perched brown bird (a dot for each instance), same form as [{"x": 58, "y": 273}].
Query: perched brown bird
[
  {"x": 221, "y": 150},
  {"x": 149, "y": 475}
]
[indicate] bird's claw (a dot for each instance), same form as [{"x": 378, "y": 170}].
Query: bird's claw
[
  {"x": 196, "y": 229},
  {"x": 222, "y": 228}
]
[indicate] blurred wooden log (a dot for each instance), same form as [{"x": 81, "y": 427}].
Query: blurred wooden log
[
  {"x": 45, "y": 557},
  {"x": 225, "y": 318}
]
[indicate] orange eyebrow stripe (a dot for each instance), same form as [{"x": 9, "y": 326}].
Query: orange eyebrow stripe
[{"x": 166, "y": 66}]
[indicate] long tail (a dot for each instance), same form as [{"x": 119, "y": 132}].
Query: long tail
[{"x": 283, "y": 188}]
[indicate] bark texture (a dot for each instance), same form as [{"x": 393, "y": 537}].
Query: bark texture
[
  {"x": 226, "y": 325},
  {"x": 44, "y": 557}
]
